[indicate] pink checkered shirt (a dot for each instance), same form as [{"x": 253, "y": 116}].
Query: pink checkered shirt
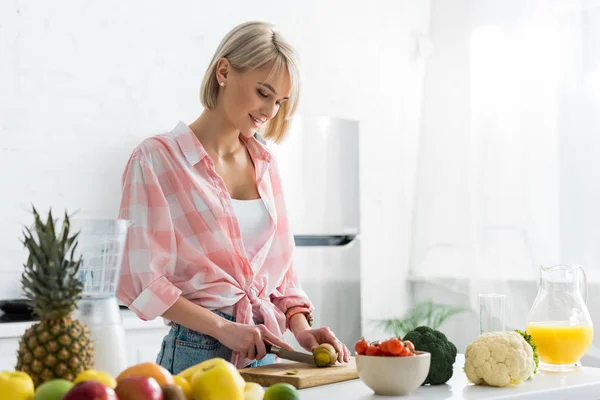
[{"x": 185, "y": 239}]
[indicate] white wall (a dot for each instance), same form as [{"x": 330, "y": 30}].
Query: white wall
[{"x": 83, "y": 83}]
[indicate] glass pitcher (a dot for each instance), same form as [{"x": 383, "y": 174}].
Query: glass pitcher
[{"x": 559, "y": 320}]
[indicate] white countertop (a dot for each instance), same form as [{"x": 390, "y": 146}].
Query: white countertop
[
  {"x": 581, "y": 385},
  {"x": 130, "y": 322}
]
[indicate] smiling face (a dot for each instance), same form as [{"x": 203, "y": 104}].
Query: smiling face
[{"x": 250, "y": 99}]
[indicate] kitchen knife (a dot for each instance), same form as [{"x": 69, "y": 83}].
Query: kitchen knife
[{"x": 290, "y": 355}]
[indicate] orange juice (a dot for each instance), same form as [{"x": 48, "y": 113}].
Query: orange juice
[{"x": 559, "y": 342}]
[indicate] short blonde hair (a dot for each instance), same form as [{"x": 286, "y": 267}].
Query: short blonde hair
[{"x": 249, "y": 46}]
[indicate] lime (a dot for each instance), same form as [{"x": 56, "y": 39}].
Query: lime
[{"x": 281, "y": 391}]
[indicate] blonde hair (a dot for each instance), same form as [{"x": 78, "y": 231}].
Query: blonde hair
[{"x": 249, "y": 46}]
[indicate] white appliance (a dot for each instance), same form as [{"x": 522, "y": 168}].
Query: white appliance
[
  {"x": 319, "y": 165},
  {"x": 101, "y": 244}
]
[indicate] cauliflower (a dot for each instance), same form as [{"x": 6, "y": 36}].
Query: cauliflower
[{"x": 499, "y": 359}]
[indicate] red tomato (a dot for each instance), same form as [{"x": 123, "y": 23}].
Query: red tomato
[
  {"x": 409, "y": 346},
  {"x": 396, "y": 346},
  {"x": 384, "y": 348},
  {"x": 406, "y": 352},
  {"x": 373, "y": 350},
  {"x": 361, "y": 347}
]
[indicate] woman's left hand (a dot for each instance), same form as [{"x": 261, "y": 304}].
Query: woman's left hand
[{"x": 311, "y": 338}]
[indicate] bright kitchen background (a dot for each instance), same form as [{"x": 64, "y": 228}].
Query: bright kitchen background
[{"x": 480, "y": 123}]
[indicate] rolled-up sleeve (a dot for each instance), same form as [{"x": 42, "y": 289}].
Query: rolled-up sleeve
[{"x": 150, "y": 249}]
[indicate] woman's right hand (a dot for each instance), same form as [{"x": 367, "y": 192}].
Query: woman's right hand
[{"x": 249, "y": 340}]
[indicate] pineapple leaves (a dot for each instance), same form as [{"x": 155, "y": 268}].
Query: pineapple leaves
[
  {"x": 50, "y": 279},
  {"x": 65, "y": 241},
  {"x": 50, "y": 223},
  {"x": 34, "y": 249}
]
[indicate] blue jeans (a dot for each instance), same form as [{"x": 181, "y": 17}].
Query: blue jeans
[{"x": 182, "y": 348}]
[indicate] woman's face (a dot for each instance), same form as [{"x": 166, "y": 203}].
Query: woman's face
[{"x": 249, "y": 99}]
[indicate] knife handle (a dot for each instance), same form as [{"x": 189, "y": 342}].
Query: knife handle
[
  {"x": 268, "y": 346},
  {"x": 271, "y": 349}
]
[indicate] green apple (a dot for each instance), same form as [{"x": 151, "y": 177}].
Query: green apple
[{"x": 54, "y": 389}]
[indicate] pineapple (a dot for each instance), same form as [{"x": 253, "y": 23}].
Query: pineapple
[{"x": 57, "y": 346}]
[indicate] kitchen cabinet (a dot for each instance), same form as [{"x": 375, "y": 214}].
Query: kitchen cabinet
[
  {"x": 144, "y": 344},
  {"x": 143, "y": 339},
  {"x": 8, "y": 353}
]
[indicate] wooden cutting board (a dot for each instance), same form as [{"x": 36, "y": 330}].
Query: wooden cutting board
[{"x": 307, "y": 376}]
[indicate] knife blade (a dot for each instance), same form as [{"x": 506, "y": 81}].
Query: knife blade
[{"x": 306, "y": 358}]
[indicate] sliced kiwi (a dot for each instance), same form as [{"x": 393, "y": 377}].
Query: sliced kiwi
[{"x": 325, "y": 355}]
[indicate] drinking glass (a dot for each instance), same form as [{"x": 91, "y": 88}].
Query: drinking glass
[{"x": 491, "y": 312}]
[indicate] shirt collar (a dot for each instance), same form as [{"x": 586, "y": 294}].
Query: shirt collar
[
  {"x": 193, "y": 150},
  {"x": 257, "y": 149},
  {"x": 189, "y": 144}
]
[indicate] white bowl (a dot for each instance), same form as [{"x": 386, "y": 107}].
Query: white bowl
[{"x": 393, "y": 376}]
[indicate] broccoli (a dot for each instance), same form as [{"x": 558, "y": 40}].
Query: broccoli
[{"x": 443, "y": 353}]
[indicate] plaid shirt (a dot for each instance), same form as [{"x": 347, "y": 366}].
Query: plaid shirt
[{"x": 185, "y": 239}]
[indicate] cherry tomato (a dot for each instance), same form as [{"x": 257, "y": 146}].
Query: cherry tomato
[
  {"x": 361, "y": 347},
  {"x": 373, "y": 351},
  {"x": 409, "y": 346},
  {"x": 406, "y": 352},
  {"x": 383, "y": 347},
  {"x": 396, "y": 346}
]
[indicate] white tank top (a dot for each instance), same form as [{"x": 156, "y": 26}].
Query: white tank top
[{"x": 253, "y": 220}]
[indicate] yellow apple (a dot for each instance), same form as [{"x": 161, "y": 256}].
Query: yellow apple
[
  {"x": 98, "y": 376},
  {"x": 217, "y": 379},
  {"x": 16, "y": 385},
  {"x": 253, "y": 391}
]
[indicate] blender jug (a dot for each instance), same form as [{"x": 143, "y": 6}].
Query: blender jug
[{"x": 101, "y": 244}]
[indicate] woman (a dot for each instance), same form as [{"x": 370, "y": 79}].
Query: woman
[{"x": 210, "y": 249}]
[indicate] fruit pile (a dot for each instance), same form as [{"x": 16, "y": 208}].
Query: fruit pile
[
  {"x": 393, "y": 347},
  {"x": 213, "y": 379}
]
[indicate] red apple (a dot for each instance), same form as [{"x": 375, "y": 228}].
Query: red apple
[
  {"x": 138, "y": 388},
  {"x": 90, "y": 390}
]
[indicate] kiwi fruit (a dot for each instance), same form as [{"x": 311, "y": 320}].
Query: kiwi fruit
[
  {"x": 325, "y": 355},
  {"x": 173, "y": 392}
]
